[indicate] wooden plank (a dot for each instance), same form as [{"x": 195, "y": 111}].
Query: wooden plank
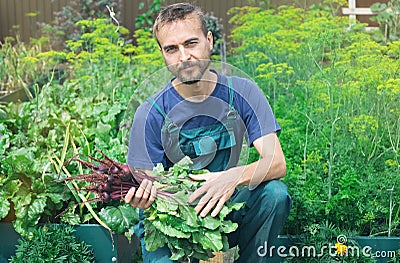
[
  {"x": 128, "y": 16},
  {"x": 33, "y": 19},
  {"x": 360, "y": 10},
  {"x": 27, "y": 28},
  {"x": 39, "y": 10},
  {"x": 368, "y": 3},
  {"x": 218, "y": 258},
  {"x": 12, "y": 19},
  {"x": 352, "y": 5},
  {"x": 4, "y": 26},
  {"x": 357, "y": 11},
  {"x": 18, "y": 8},
  {"x": 45, "y": 7},
  {"x": 54, "y": 6}
]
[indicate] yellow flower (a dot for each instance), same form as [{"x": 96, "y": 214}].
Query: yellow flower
[{"x": 341, "y": 249}]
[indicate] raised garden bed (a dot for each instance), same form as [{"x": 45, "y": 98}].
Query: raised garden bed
[
  {"x": 13, "y": 96},
  {"x": 106, "y": 248}
]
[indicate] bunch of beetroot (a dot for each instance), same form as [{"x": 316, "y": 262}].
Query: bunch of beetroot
[{"x": 110, "y": 180}]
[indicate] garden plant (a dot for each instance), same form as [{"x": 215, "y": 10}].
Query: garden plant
[{"x": 54, "y": 243}]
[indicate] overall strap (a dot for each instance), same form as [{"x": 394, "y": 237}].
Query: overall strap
[
  {"x": 232, "y": 113},
  {"x": 155, "y": 105},
  {"x": 230, "y": 91},
  {"x": 172, "y": 129},
  {"x": 169, "y": 125}
]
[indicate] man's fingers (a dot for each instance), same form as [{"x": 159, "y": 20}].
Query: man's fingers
[
  {"x": 129, "y": 195},
  {"x": 209, "y": 201},
  {"x": 152, "y": 197},
  {"x": 210, "y": 204},
  {"x": 144, "y": 190},
  {"x": 143, "y": 196},
  {"x": 198, "y": 177},
  {"x": 202, "y": 202},
  {"x": 143, "y": 193},
  {"x": 219, "y": 206},
  {"x": 196, "y": 194},
  {"x": 206, "y": 203}
]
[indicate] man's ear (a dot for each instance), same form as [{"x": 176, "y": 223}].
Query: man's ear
[{"x": 210, "y": 39}]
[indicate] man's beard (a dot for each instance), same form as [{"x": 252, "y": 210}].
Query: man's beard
[{"x": 192, "y": 76}]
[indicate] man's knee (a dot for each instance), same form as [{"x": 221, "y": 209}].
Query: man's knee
[{"x": 275, "y": 193}]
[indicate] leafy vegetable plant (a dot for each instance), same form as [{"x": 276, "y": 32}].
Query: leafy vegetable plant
[
  {"x": 170, "y": 221},
  {"x": 53, "y": 243}
]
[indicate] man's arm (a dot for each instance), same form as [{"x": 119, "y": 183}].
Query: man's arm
[
  {"x": 220, "y": 186},
  {"x": 271, "y": 165}
]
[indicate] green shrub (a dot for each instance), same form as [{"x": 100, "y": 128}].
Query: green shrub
[
  {"x": 335, "y": 92},
  {"x": 64, "y": 26},
  {"x": 53, "y": 243},
  {"x": 86, "y": 111},
  {"x": 19, "y": 66}
]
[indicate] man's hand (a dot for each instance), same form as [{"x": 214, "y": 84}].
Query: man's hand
[
  {"x": 143, "y": 196},
  {"x": 217, "y": 189}
]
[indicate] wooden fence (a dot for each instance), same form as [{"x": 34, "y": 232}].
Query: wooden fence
[
  {"x": 361, "y": 11},
  {"x": 21, "y": 17}
]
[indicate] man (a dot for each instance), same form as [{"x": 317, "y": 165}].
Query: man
[{"x": 205, "y": 115}]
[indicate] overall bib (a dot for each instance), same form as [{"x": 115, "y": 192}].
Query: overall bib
[{"x": 211, "y": 147}]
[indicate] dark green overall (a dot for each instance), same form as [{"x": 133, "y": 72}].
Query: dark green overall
[{"x": 210, "y": 147}]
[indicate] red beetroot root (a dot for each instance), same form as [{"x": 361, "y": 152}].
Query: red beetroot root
[{"x": 109, "y": 180}]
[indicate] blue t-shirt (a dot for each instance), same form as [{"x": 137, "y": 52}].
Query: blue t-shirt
[{"x": 255, "y": 118}]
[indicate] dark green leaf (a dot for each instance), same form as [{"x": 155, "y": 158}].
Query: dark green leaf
[
  {"x": 228, "y": 227},
  {"x": 209, "y": 240},
  {"x": 21, "y": 160},
  {"x": 71, "y": 218},
  {"x": 211, "y": 222},
  {"x": 112, "y": 113},
  {"x": 119, "y": 218},
  {"x": 4, "y": 206},
  {"x": 189, "y": 214},
  {"x": 179, "y": 254},
  {"x": 166, "y": 205},
  {"x": 36, "y": 208},
  {"x": 169, "y": 230},
  {"x": 153, "y": 238}
]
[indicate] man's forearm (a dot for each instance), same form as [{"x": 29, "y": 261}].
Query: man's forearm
[
  {"x": 265, "y": 169},
  {"x": 271, "y": 165}
]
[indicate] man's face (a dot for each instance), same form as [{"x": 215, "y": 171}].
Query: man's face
[{"x": 185, "y": 48}]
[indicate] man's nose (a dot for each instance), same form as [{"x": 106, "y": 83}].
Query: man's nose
[{"x": 184, "y": 53}]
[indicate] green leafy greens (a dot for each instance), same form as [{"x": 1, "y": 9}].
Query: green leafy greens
[{"x": 172, "y": 222}]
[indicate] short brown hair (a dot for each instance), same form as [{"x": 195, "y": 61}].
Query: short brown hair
[{"x": 179, "y": 11}]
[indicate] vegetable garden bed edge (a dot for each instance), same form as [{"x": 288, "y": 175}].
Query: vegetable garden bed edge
[
  {"x": 100, "y": 240},
  {"x": 106, "y": 248}
]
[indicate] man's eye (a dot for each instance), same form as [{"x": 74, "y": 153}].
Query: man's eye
[
  {"x": 191, "y": 43},
  {"x": 170, "y": 50}
]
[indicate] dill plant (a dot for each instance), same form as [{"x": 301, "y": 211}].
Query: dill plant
[
  {"x": 335, "y": 93},
  {"x": 53, "y": 243}
]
